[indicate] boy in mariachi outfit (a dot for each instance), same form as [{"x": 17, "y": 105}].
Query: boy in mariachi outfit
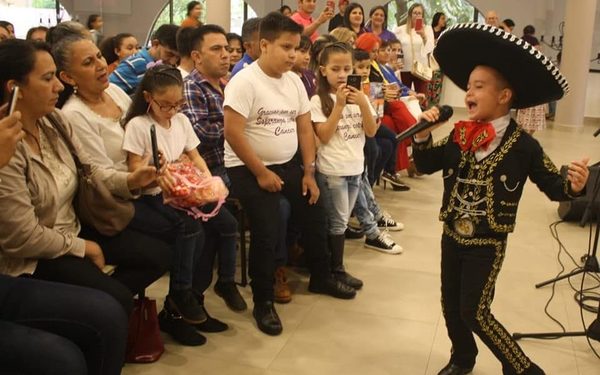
[{"x": 485, "y": 163}]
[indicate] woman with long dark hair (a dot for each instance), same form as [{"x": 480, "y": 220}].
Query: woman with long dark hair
[
  {"x": 434, "y": 87},
  {"x": 354, "y": 18},
  {"x": 194, "y": 12}
]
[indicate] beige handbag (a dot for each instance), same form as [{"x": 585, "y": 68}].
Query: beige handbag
[
  {"x": 433, "y": 64},
  {"x": 94, "y": 203},
  {"x": 418, "y": 69}
]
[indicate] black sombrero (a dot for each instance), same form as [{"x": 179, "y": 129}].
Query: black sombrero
[{"x": 532, "y": 75}]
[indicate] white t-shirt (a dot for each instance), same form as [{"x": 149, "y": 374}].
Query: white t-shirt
[
  {"x": 421, "y": 50},
  {"x": 270, "y": 106},
  {"x": 343, "y": 155},
  {"x": 101, "y": 137},
  {"x": 172, "y": 142}
]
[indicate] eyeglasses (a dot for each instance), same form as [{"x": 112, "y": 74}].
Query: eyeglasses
[{"x": 169, "y": 107}]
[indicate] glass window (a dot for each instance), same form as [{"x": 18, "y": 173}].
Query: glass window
[{"x": 27, "y": 14}]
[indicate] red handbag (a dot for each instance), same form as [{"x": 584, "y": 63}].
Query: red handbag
[{"x": 144, "y": 344}]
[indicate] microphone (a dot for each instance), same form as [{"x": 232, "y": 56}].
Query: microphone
[{"x": 445, "y": 113}]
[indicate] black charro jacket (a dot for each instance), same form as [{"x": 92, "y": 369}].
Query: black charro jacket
[{"x": 488, "y": 192}]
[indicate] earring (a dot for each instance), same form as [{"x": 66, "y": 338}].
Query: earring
[{"x": 75, "y": 89}]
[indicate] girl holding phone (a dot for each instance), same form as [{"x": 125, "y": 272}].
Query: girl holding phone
[
  {"x": 417, "y": 43},
  {"x": 342, "y": 116}
]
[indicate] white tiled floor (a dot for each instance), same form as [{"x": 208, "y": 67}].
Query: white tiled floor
[{"x": 394, "y": 326}]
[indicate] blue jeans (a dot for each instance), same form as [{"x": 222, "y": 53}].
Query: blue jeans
[
  {"x": 366, "y": 209},
  {"x": 153, "y": 216},
  {"x": 73, "y": 330},
  {"x": 339, "y": 195}
]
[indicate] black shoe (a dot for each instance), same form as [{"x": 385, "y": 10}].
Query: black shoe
[
  {"x": 400, "y": 187},
  {"x": 348, "y": 279},
  {"x": 332, "y": 287},
  {"x": 185, "y": 304},
  {"x": 179, "y": 330},
  {"x": 354, "y": 234},
  {"x": 452, "y": 369},
  {"x": 266, "y": 318},
  {"x": 229, "y": 292},
  {"x": 211, "y": 325}
]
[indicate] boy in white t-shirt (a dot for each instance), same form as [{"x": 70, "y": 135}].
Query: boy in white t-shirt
[{"x": 267, "y": 115}]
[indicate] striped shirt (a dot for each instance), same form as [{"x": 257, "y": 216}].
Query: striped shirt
[{"x": 130, "y": 71}]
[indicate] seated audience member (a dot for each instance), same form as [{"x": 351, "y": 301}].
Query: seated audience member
[
  {"x": 94, "y": 25},
  {"x": 377, "y": 23},
  {"x": 64, "y": 29},
  {"x": 186, "y": 63},
  {"x": 354, "y": 18},
  {"x": 4, "y": 33},
  {"x": 236, "y": 49},
  {"x": 117, "y": 48},
  {"x": 338, "y": 19},
  {"x": 508, "y": 25},
  {"x": 285, "y": 10},
  {"x": 130, "y": 71},
  {"x": 194, "y": 12},
  {"x": 491, "y": 18},
  {"x": 316, "y": 49},
  {"x": 344, "y": 35},
  {"x": 261, "y": 175},
  {"x": 301, "y": 66},
  {"x": 9, "y": 27},
  {"x": 43, "y": 236},
  {"x": 203, "y": 106},
  {"x": 303, "y": 16},
  {"x": 37, "y": 34},
  {"x": 97, "y": 111},
  {"x": 90, "y": 338},
  {"x": 250, "y": 44}
]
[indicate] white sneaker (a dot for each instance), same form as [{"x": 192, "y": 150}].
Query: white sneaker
[{"x": 384, "y": 243}]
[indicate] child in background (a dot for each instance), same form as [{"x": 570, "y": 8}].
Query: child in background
[
  {"x": 301, "y": 66},
  {"x": 341, "y": 117},
  {"x": 368, "y": 213},
  {"x": 156, "y": 102}
]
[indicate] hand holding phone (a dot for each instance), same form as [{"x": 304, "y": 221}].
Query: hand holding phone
[
  {"x": 155, "y": 157},
  {"x": 354, "y": 80},
  {"x": 419, "y": 24},
  {"x": 12, "y": 102}
]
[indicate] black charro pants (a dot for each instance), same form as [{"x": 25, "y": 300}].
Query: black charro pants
[{"x": 470, "y": 268}]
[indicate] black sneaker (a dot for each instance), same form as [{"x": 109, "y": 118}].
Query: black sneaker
[
  {"x": 185, "y": 304},
  {"x": 179, "y": 330},
  {"x": 211, "y": 325},
  {"x": 348, "y": 279},
  {"x": 231, "y": 295},
  {"x": 386, "y": 222},
  {"x": 354, "y": 234},
  {"x": 332, "y": 287},
  {"x": 266, "y": 318},
  {"x": 384, "y": 244}
]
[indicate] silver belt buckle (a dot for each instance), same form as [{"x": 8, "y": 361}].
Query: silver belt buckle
[{"x": 465, "y": 227}]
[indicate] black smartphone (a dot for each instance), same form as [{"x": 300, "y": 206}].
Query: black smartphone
[
  {"x": 155, "y": 157},
  {"x": 355, "y": 81},
  {"x": 12, "y": 102}
]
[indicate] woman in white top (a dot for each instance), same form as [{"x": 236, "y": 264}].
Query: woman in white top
[{"x": 417, "y": 43}]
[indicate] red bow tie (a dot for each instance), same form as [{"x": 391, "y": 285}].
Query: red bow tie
[{"x": 473, "y": 135}]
